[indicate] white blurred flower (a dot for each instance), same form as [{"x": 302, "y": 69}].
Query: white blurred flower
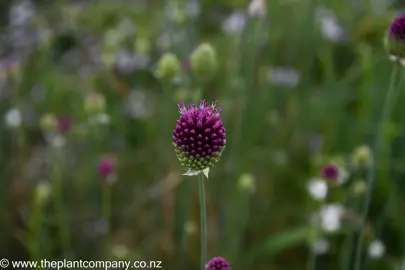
[
  {"x": 22, "y": 14},
  {"x": 234, "y": 24},
  {"x": 330, "y": 27},
  {"x": 138, "y": 105},
  {"x": 330, "y": 217},
  {"x": 317, "y": 189},
  {"x": 13, "y": 118},
  {"x": 193, "y": 8},
  {"x": 283, "y": 76},
  {"x": 321, "y": 246},
  {"x": 257, "y": 9},
  {"x": 57, "y": 141},
  {"x": 376, "y": 249},
  {"x": 125, "y": 62}
]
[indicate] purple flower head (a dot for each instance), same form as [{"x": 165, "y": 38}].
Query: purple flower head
[
  {"x": 395, "y": 38},
  {"x": 106, "y": 167},
  {"x": 330, "y": 172},
  {"x": 64, "y": 124},
  {"x": 199, "y": 137},
  {"x": 218, "y": 263}
]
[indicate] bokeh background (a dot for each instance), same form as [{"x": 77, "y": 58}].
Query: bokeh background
[{"x": 87, "y": 165}]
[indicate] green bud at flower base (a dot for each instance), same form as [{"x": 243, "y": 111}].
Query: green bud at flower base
[
  {"x": 204, "y": 62},
  {"x": 48, "y": 122},
  {"x": 94, "y": 103},
  {"x": 168, "y": 67}
]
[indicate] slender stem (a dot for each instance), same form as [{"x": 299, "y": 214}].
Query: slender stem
[
  {"x": 59, "y": 208},
  {"x": 312, "y": 259},
  {"x": 203, "y": 222},
  {"x": 311, "y": 265},
  {"x": 372, "y": 172},
  {"x": 106, "y": 206}
]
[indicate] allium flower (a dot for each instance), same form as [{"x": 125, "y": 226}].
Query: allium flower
[
  {"x": 199, "y": 137},
  {"x": 64, "y": 124},
  {"x": 395, "y": 37},
  {"x": 330, "y": 172},
  {"x": 106, "y": 167},
  {"x": 218, "y": 263}
]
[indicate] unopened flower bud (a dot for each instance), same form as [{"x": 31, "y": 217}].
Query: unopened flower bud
[
  {"x": 359, "y": 187},
  {"x": 48, "y": 122},
  {"x": 257, "y": 9},
  {"x": 204, "y": 62},
  {"x": 190, "y": 227},
  {"x": 94, "y": 103},
  {"x": 246, "y": 182},
  {"x": 120, "y": 251},
  {"x": 42, "y": 192},
  {"x": 142, "y": 45},
  {"x": 168, "y": 67},
  {"x": 362, "y": 157}
]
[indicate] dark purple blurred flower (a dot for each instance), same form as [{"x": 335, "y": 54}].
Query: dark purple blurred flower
[
  {"x": 199, "y": 137},
  {"x": 64, "y": 124},
  {"x": 218, "y": 263},
  {"x": 395, "y": 38},
  {"x": 330, "y": 172},
  {"x": 106, "y": 167}
]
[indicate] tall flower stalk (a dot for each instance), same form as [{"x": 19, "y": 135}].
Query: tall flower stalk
[
  {"x": 395, "y": 43},
  {"x": 199, "y": 140},
  {"x": 203, "y": 214}
]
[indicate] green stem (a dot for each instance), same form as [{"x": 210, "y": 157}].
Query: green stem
[
  {"x": 311, "y": 265},
  {"x": 203, "y": 222},
  {"x": 106, "y": 210},
  {"x": 312, "y": 259},
  {"x": 372, "y": 172},
  {"x": 59, "y": 209}
]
